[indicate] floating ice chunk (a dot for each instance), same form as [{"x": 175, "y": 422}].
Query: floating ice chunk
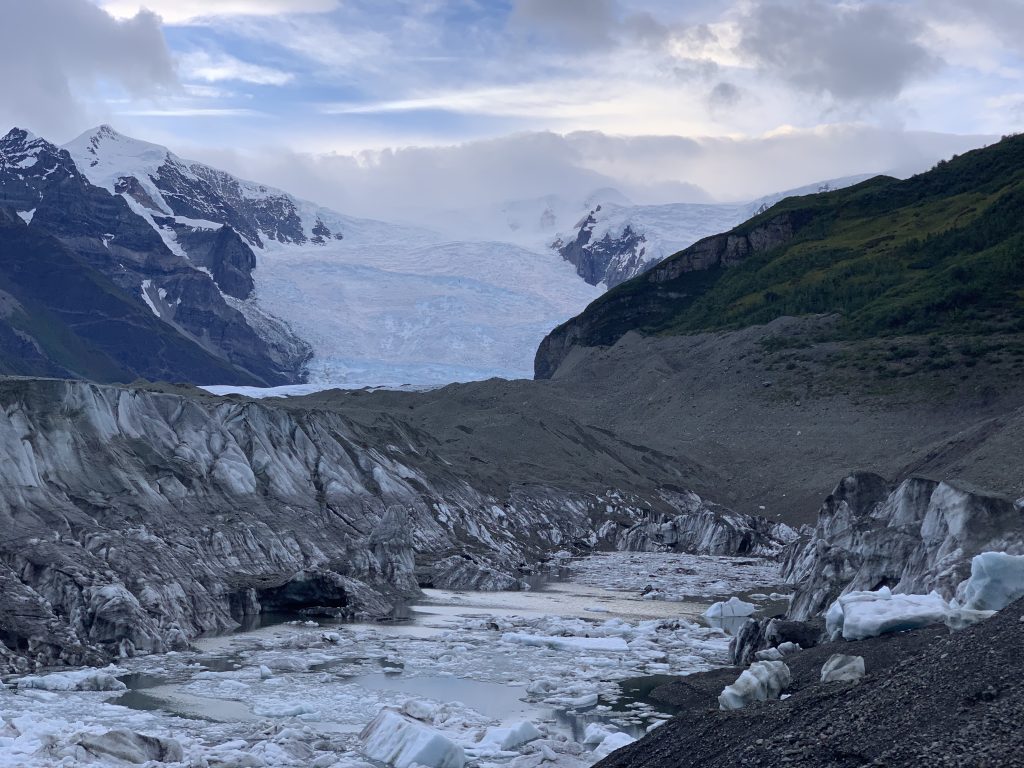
[
  {"x": 763, "y": 680},
  {"x": 401, "y": 741},
  {"x": 88, "y": 679},
  {"x": 596, "y": 733},
  {"x": 841, "y": 668},
  {"x": 997, "y": 579},
  {"x": 567, "y": 643},
  {"x": 131, "y": 747},
  {"x": 511, "y": 737},
  {"x": 285, "y": 709},
  {"x": 542, "y": 686},
  {"x": 859, "y": 615},
  {"x": 731, "y": 607},
  {"x": 581, "y": 702},
  {"x": 420, "y": 710},
  {"x": 611, "y": 743}
]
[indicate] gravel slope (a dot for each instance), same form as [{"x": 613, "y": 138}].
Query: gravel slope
[
  {"x": 756, "y": 428},
  {"x": 930, "y": 698}
]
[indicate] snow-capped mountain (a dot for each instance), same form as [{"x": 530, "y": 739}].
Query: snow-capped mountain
[
  {"x": 90, "y": 290},
  {"x": 615, "y": 241},
  {"x": 380, "y": 304}
]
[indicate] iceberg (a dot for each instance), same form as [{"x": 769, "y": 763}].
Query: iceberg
[
  {"x": 730, "y": 608},
  {"x": 841, "y": 668},
  {"x": 763, "y": 680},
  {"x": 401, "y": 741},
  {"x": 87, "y": 679},
  {"x": 859, "y": 615}
]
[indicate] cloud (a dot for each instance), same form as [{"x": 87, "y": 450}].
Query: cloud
[
  {"x": 416, "y": 183},
  {"x": 724, "y": 95},
  {"x": 219, "y": 67},
  {"x": 78, "y": 52},
  {"x": 585, "y": 24},
  {"x": 191, "y": 112},
  {"x": 193, "y": 11},
  {"x": 854, "y": 52}
]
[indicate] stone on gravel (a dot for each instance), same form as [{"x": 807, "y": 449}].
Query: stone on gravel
[{"x": 841, "y": 668}]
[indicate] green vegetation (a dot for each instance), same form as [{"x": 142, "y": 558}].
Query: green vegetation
[{"x": 939, "y": 253}]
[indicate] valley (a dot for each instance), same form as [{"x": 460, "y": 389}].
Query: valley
[{"x": 156, "y": 533}]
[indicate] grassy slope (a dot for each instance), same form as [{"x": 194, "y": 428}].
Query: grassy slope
[{"x": 941, "y": 252}]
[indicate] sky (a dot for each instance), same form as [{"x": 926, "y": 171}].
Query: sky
[{"x": 392, "y": 108}]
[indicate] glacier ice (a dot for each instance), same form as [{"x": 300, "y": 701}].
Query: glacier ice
[
  {"x": 612, "y": 742},
  {"x": 87, "y": 679},
  {"x": 761, "y": 681},
  {"x": 402, "y": 742},
  {"x": 996, "y": 580},
  {"x": 859, "y": 615},
  {"x": 127, "y": 746},
  {"x": 730, "y": 608},
  {"x": 840, "y": 668},
  {"x": 510, "y": 737},
  {"x": 568, "y": 643}
]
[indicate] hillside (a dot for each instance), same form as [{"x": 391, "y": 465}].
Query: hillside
[{"x": 939, "y": 253}]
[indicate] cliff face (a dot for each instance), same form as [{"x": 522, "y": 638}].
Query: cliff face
[
  {"x": 101, "y": 295},
  {"x": 133, "y": 520},
  {"x": 649, "y": 301},
  {"x": 916, "y": 538},
  {"x": 608, "y": 260}
]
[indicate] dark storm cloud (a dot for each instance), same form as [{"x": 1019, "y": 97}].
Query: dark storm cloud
[
  {"x": 724, "y": 95},
  {"x": 864, "y": 52},
  {"x": 53, "y": 50}
]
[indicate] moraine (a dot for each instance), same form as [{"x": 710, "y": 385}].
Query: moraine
[{"x": 299, "y": 693}]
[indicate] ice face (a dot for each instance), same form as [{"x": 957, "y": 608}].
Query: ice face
[
  {"x": 859, "y": 615},
  {"x": 997, "y": 579}
]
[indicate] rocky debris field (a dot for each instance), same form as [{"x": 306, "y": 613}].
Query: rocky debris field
[{"x": 929, "y": 697}]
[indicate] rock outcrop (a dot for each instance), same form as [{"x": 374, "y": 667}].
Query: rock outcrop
[
  {"x": 650, "y": 300},
  {"x": 916, "y": 538},
  {"x": 134, "y": 520},
  {"x": 610, "y": 260},
  {"x": 702, "y": 527}
]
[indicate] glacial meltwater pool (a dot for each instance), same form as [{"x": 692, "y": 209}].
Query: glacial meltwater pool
[{"x": 300, "y": 693}]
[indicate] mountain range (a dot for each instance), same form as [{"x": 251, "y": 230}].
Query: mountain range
[{"x": 245, "y": 286}]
